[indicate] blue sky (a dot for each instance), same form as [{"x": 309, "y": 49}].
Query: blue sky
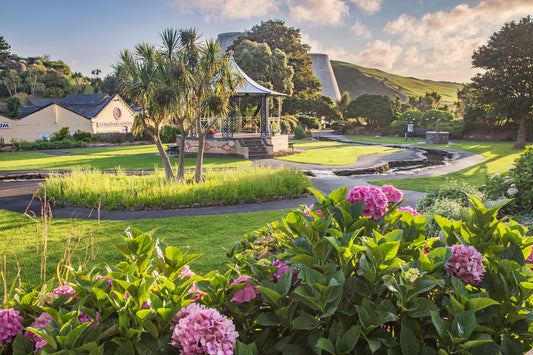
[{"x": 428, "y": 39}]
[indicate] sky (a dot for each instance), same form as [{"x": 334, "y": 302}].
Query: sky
[{"x": 426, "y": 39}]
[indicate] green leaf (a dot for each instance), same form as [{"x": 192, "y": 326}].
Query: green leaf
[
  {"x": 374, "y": 344},
  {"x": 439, "y": 257},
  {"x": 441, "y": 325},
  {"x": 408, "y": 341},
  {"x": 464, "y": 324},
  {"x": 513, "y": 252},
  {"x": 476, "y": 304},
  {"x": 356, "y": 210},
  {"x": 305, "y": 321},
  {"x": 422, "y": 307},
  {"x": 351, "y": 337},
  {"x": 338, "y": 195},
  {"x": 245, "y": 349},
  {"x": 509, "y": 347},
  {"x": 74, "y": 335},
  {"x": 326, "y": 345},
  {"x": 272, "y": 296},
  {"x": 389, "y": 249},
  {"x": 45, "y": 334},
  {"x": 268, "y": 319},
  {"x": 22, "y": 345}
]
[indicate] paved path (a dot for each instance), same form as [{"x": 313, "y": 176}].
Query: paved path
[{"x": 16, "y": 195}]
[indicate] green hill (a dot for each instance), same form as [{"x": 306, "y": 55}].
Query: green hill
[{"x": 359, "y": 80}]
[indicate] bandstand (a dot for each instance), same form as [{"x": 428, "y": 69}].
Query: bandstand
[{"x": 262, "y": 144}]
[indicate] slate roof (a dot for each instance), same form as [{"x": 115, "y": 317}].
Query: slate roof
[{"x": 87, "y": 106}]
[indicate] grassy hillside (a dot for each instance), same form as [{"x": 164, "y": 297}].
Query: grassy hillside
[{"x": 359, "y": 80}]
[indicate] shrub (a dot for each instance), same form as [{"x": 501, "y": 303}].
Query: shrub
[
  {"x": 288, "y": 123},
  {"x": 332, "y": 281},
  {"x": 299, "y": 132},
  {"x": 83, "y": 136},
  {"x": 515, "y": 184},
  {"x": 59, "y": 135},
  {"x": 429, "y": 118},
  {"x": 14, "y": 104},
  {"x": 43, "y": 144},
  {"x": 308, "y": 121},
  {"x": 455, "y": 128},
  {"x": 168, "y": 134},
  {"x": 339, "y": 277}
]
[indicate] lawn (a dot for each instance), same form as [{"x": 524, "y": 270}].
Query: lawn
[
  {"x": 129, "y": 150},
  {"x": 43, "y": 161},
  {"x": 336, "y": 156},
  {"x": 498, "y": 157},
  {"x": 385, "y": 140},
  {"x": 313, "y": 144},
  {"x": 200, "y": 234}
]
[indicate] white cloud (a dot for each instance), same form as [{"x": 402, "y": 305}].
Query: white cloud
[
  {"x": 370, "y": 6},
  {"x": 446, "y": 39},
  {"x": 361, "y": 30},
  {"x": 229, "y": 9},
  {"x": 330, "y": 12},
  {"x": 379, "y": 54}
]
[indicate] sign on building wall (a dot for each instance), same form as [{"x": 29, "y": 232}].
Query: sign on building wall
[{"x": 5, "y": 125}]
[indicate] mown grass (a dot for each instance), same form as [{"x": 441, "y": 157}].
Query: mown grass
[
  {"x": 41, "y": 161},
  {"x": 94, "y": 188},
  {"x": 336, "y": 156},
  {"x": 201, "y": 234},
  {"x": 313, "y": 144},
  {"x": 498, "y": 157},
  {"x": 129, "y": 150},
  {"x": 385, "y": 140}
]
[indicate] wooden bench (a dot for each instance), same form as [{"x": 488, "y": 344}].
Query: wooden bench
[{"x": 420, "y": 132}]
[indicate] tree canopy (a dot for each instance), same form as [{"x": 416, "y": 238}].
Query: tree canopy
[
  {"x": 287, "y": 39},
  {"x": 4, "y": 49},
  {"x": 506, "y": 84},
  {"x": 377, "y": 110},
  {"x": 269, "y": 68}
]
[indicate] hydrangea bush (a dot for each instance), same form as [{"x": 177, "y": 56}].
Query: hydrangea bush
[
  {"x": 516, "y": 184},
  {"x": 354, "y": 273},
  {"x": 379, "y": 285}
]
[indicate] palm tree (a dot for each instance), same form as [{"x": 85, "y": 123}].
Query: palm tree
[{"x": 141, "y": 80}]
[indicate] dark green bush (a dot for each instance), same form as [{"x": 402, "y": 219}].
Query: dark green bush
[
  {"x": 41, "y": 144},
  {"x": 59, "y": 135},
  {"x": 288, "y": 123},
  {"x": 309, "y": 121},
  {"x": 455, "y": 128},
  {"x": 516, "y": 184},
  {"x": 168, "y": 134},
  {"x": 299, "y": 132},
  {"x": 83, "y": 136}
]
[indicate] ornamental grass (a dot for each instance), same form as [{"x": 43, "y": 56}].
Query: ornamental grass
[{"x": 94, "y": 188}]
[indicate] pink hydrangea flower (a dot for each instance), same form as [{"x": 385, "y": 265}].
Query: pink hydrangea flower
[
  {"x": 196, "y": 293},
  {"x": 466, "y": 264},
  {"x": 409, "y": 209},
  {"x": 308, "y": 210},
  {"x": 282, "y": 267},
  {"x": 186, "y": 272},
  {"x": 376, "y": 201},
  {"x": 10, "y": 325},
  {"x": 247, "y": 293},
  {"x": 512, "y": 191},
  {"x": 64, "y": 290},
  {"x": 529, "y": 259},
  {"x": 43, "y": 321},
  {"x": 202, "y": 330},
  {"x": 84, "y": 318},
  {"x": 392, "y": 193}
]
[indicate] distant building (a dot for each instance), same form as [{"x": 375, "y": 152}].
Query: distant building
[{"x": 40, "y": 117}]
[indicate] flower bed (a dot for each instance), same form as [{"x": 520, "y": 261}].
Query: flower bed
[{"x": 354, "y": 273}]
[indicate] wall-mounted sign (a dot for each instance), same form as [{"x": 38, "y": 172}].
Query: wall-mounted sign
[
  {"x": 5, "y": 125},
  {"x": 113, "y": 124},
  {"x": 117, "y": 113}
]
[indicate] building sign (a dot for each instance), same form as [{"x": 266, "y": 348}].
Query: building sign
[
  {"x": 113, "y": 124},
  {"x": 117, "y": 113},
  {"x": 5, "y": 125}
]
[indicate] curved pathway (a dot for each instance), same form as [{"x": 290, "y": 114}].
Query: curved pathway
[{"x": 16, "y": 195}]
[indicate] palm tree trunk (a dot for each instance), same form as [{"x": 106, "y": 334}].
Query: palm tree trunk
[
  {"x": 169, "y": 173},
  {"x": 181, "y": 157},
  {"x": 198, "y": 174},
  {"x": 521, "y": 137}
]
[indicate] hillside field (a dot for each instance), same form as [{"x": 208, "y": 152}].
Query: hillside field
[{"x": 359, "y": 80}]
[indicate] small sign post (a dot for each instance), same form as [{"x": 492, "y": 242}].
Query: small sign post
[{"x": 410, "y": 129}]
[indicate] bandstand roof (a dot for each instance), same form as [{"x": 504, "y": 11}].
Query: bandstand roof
[{"x": 249, "y": 86}]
